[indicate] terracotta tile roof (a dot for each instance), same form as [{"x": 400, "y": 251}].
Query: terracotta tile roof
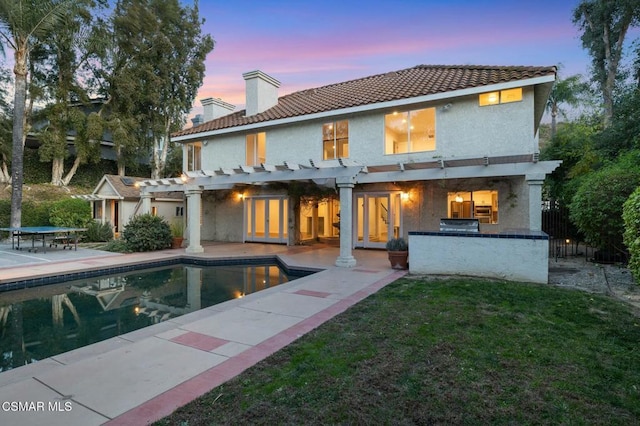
[{"x": 408, "y": 83}]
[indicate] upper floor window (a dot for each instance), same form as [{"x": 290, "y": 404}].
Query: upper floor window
[
  {"x": 410, "y": 131},
  {"x": 256, "y": 149},
  {"x": 194, "y": 156},
  {"x": 500, "y": 97},
  {"x": 335, "y": 140}
]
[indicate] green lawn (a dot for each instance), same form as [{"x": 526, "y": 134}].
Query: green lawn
[{"x": 456, "y": 351}]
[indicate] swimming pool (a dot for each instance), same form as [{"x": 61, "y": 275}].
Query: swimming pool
[{"x": 38, "y": 323}]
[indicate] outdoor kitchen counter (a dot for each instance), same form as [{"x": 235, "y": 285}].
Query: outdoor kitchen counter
[{"x": 515, "y": 255}]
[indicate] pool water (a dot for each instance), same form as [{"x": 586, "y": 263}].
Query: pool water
[{"x": 42, "y": 322}]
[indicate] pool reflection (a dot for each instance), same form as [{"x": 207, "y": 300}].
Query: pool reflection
[{"x": 46, "y": 321}]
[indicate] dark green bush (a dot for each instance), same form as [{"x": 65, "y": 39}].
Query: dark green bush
[
  {"x": 147, "y": 233},
  {"x": 98, "y": 232},
  {"x": 33, "y": 214},
  {"x": 631, "y": 216},
  {"x": 36, "y": 214},
  {"x": 116, "y": 246},
  {"x": 70, "y": 212},
  {"x": 596, "y": 208}
]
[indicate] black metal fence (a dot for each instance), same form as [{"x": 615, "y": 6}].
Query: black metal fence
[{"x": 565, "y": 239}]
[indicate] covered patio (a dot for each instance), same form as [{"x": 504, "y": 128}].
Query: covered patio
[{"x": 344, "y": 175}]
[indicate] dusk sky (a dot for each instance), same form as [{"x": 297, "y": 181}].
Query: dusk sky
[{"x": 306, "y": 44}]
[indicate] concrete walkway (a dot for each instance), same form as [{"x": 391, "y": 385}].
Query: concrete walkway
[{"x": 142, "y": 376}]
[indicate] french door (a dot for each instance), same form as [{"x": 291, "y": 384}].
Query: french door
[
  {"x": 377, "y": 219},
  {"x": 265, "y": 219}
]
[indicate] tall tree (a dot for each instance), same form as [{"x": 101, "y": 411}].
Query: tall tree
[
  {"x": 23, "y": 25},
  {"x": 68, "y": 106},
  {"x": 166, "y": 51},
  {"x": 605, "y": 24}
]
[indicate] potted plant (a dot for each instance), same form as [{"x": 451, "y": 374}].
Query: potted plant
[
  {"x": 177, "y": 232},
  {"x": 398, "y": 249}
]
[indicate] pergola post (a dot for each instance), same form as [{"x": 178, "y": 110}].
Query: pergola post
[
  {"x": 346, "y": 259},
  {"x": 193, "y": 220},
  {"x": 146, "y": 202}
]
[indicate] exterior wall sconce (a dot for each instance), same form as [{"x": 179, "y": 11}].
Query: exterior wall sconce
[
  {"x": 240, "y": 196},
  {"x": 404, "y": 196},
  {"x": 184, "y": 178}
]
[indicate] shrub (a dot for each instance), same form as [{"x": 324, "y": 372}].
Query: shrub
[
  {"x": 596, "y": 208},
  {"x": 98, "y": 232},
  {"x": 177, "y": 228},
  {"x": 147, "y": 233},
  {"x": 70, "y": 212},
  {"x": 631, "y": 217},
  {"x": 33, "y": 214},
  {"x": 36, "y": 214},
  {"x": 116, "y": 246},
  {"x": 397, "y": 244}
]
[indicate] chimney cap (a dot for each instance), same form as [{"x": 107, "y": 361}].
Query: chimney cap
[
  {"x": 218, "y": 102},
  {"x": 259, "y": 74}
]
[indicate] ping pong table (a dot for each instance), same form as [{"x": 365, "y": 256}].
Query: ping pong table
[{"x": 68, "y": 237}]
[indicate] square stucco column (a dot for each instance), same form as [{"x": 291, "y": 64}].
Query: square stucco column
[
  {"x": 193, "y": 222},
  {"x": 535, "y": 201},
  {"x": 103, "y": 219},
  {"x": 346, "y": 258}
]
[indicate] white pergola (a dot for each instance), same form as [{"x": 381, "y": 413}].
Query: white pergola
[{"x": 345, "y": 174}]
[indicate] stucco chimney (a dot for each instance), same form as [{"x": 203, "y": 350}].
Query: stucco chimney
[
  {"x": 215, "y": 108},
  {"x": 197, "y": 120},
  {"x": 261, "y": 91}
]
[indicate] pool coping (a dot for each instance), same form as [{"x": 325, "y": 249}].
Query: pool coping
[{"x": 57, "y": 278}]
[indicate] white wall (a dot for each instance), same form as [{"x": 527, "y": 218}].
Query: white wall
[
  {"x": 167, "y": 209},
  {"x": 463, "y": 130},
  {"x": 513, "y": 259},
  {"x": 222, "y": 218}
]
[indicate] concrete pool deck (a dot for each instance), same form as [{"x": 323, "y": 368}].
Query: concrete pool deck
[{"x": 144, "y": 375}]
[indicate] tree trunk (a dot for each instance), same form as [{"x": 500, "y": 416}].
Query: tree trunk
[
  {"x": 120, "y": 160},
  {"x": 5, "y": 176},
  {"x": 554, "y": 115},
  {"x": 72, "y": 172},
  {"x": 57, "y": 170},
  {"x": 17, "y": 158},
  {"x": 155, "y": 159}
]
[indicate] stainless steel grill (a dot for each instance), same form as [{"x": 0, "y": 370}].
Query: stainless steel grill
[{"x": 459, "y": 225}]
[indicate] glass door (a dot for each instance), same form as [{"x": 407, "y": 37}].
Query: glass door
[
  {"x": 265, "y": 219},
  {"x": 377, "y": 219}
]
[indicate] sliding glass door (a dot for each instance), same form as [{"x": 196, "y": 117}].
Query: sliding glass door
[
  {"x": 265, "y": 219},
  {"x": 377, "y": 219}
]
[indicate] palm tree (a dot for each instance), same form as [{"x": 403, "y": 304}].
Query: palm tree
[
  {"x": 569, "y": 91},
  {"x": 22, "y": 24}
]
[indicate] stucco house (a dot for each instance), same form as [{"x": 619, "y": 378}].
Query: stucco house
[
  {"x": 399, "y": 152},
  {"x": 116, "y": 199}
]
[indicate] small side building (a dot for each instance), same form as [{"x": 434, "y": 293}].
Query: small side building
[{"x": 116, "y": 199}]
